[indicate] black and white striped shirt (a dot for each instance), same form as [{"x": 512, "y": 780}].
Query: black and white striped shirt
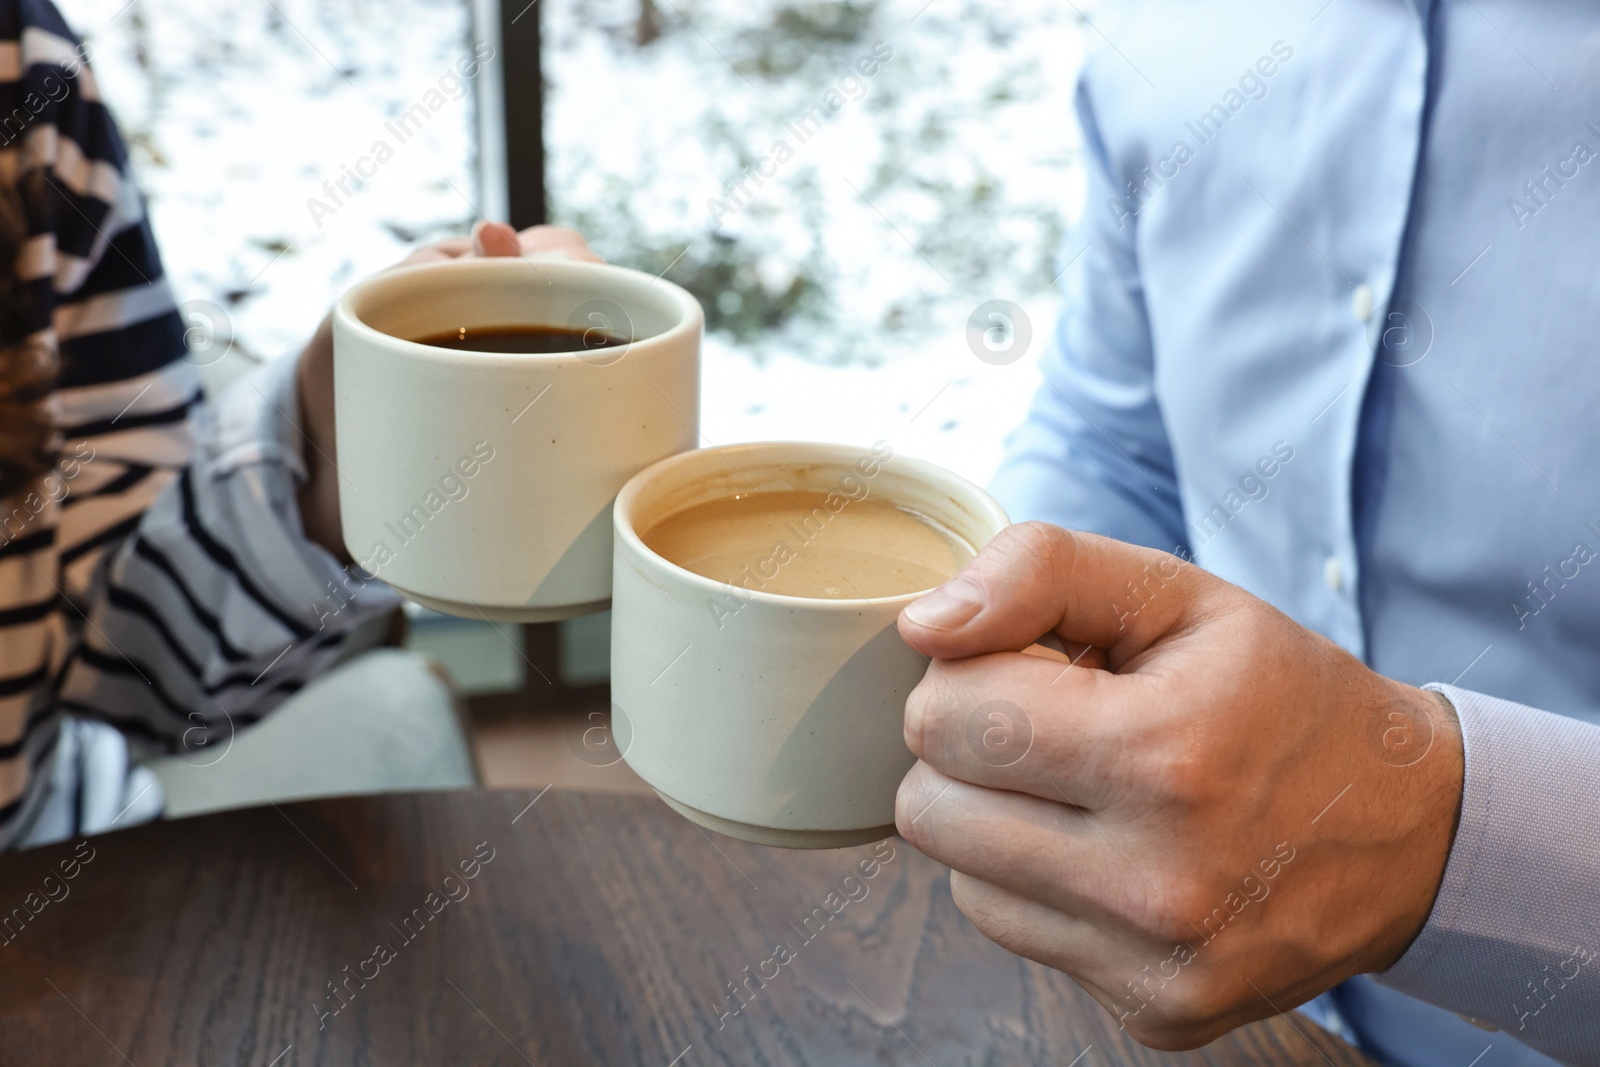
[{"x": 158, "y": 581}]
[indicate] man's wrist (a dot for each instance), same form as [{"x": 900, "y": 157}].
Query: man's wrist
[{"x": 1431, "y": 788}]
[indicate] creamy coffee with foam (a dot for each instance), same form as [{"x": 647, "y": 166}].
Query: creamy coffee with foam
[{"x": 800, "y": 543}]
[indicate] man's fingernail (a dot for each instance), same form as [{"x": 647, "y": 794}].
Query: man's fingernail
[{"x": 952, "y": 604}]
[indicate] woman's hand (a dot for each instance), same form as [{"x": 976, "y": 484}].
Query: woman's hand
[
  {"x": 498, "y": 239},
  {"x": 319, "y": 496}
]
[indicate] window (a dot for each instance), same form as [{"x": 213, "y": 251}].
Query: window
[{"x": 847, "y": 187}]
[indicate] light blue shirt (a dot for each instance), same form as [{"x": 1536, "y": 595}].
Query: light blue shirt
[{"x": 1331, "y": 322}]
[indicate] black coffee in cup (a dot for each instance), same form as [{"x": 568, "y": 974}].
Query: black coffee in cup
[{"x": 522, "y": 340}]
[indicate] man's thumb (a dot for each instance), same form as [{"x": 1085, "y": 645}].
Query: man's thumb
[{"x": 1035, "y": 579}]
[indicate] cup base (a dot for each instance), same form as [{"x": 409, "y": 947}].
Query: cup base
[
  {"x": 767, "y": 835},
  {"x": 469, "y": 610}
]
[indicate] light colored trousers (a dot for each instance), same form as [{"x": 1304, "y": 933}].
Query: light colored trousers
[{"x": 385, "y": 721}]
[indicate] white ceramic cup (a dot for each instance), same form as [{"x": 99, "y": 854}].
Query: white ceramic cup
[
  {"x": 481, "y": 484},
  {"x": 774, "y": 719}
]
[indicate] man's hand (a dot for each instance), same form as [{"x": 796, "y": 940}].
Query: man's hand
[
  {"x": 1214, "y": 816},
  {"x": 319, "y": 496}
]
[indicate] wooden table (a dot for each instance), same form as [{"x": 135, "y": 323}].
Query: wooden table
[{"x": 596, "y": 929}]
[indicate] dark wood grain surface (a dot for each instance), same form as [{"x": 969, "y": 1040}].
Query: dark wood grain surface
[{"x": 597, "y": 930}]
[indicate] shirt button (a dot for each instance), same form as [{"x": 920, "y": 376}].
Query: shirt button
[
  {"x": 1361, "y": 303},
  {"x": 1333, "y": 573}
]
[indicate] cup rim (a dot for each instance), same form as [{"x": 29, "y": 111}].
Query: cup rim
[
  {"x": 983, "y": 504},
  {"x": 690, "y": 322}
]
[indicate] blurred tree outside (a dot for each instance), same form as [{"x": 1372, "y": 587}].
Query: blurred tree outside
[{"x": 942, "y": 178}]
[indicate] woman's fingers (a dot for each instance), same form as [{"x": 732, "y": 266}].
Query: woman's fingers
[
  {"x": 438, "y": 251},
  {"x": 557, "y": 239},
  {"x": 495, "y": 239}
]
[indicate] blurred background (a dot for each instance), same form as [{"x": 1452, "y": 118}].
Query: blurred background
[{"x": 840, "y": 262}]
